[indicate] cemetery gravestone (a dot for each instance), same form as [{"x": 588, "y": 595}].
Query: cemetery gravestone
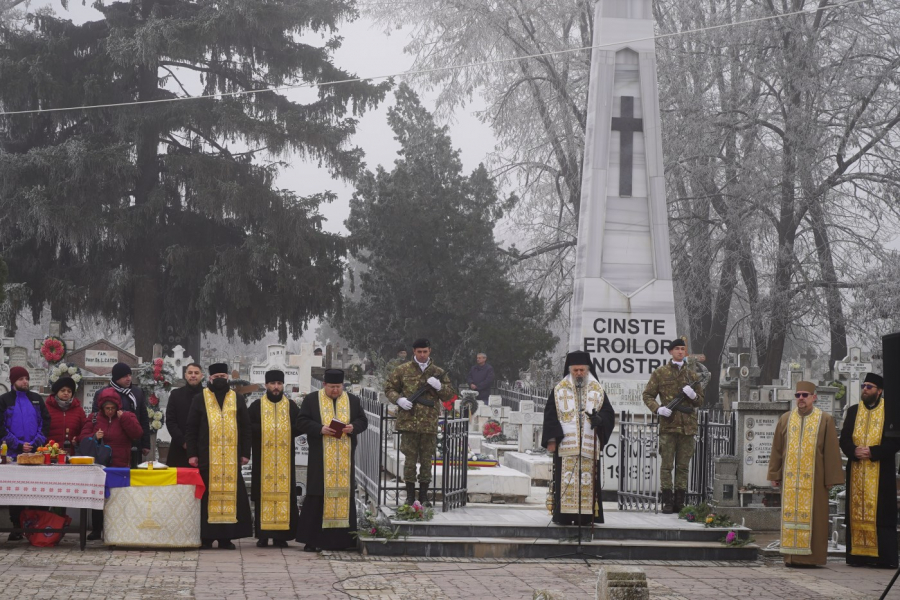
[{"x": 854, "y": 368}]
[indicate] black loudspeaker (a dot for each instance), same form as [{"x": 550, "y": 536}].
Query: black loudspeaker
[{"x": 890, "y": 351}]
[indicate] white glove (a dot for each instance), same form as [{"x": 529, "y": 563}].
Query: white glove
[
  {"x": 689, "y": 392},
  {"x": 433, "y": 382},
  {"x": 404, "y": 404},
  {"x": 664, "y": 412}
]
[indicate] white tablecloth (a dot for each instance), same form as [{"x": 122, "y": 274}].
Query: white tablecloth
[
  {"x": 72, "y": 486},
  {"x": 152, "y": 516}
]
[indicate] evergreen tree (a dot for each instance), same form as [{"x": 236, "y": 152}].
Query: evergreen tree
[
  {"x": 165, "y": 216},
  {"x": 423, "y": 234}
]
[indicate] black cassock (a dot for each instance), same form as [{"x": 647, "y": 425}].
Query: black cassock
[
  {"x": 605, "y": 421},
  {"x": 255, "y": 411},
  {"x": 886, "y": 508},
  {"x": 197, "y": 437},
  {"x": 309, "y": 530}
]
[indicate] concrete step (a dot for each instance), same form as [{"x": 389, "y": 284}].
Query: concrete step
[
  {"x": 560, "y": 532},
  {"x": 524, "y": 547}
]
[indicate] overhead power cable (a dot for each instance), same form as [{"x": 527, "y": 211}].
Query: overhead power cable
[{"x": 435, "y": 69}]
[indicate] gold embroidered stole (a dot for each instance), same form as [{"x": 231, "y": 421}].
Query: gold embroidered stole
[
  {"x": 277, "y": 446},
  {"x": 864, "y": 482},
  {"x": 576, "y": 424},
  {"x": 336, "y": 456},
  {"x": 223, "y": 451},
  {"x": 798, "y": 486}
]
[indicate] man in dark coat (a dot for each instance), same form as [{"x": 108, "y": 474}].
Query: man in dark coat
[
  {"x": 586, "y": 409},
  {"x": 225, "y": 508},
  {"x": 24, "y": 425},
  {"x": 275, "y": 422},
  {"x": 133, "y": 400},
  {"x": 327, "y": 522},
  {"x": 481, "y": 377},
  {"x": 177, "y": 411},
  {"x": 871, "y": 513}
]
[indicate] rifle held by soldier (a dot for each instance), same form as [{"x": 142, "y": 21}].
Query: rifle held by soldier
[{"x": 420, "y": 397}]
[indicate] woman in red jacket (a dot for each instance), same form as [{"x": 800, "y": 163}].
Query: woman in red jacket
[
  {"x": 117, "y": 429},
  {"x": 66, "y": 415}
]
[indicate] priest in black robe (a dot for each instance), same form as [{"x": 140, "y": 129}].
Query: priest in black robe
[
  {"x": 327, "y": 521},
  {"x": 577, "y": 403},
  {"x": 871, "y": 480},
  {"x": 275, "y": 422},
  {"x": 225, "y": 508}
]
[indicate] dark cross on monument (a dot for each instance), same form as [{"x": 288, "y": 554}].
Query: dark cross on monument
[{"x": 626, "y": 125}]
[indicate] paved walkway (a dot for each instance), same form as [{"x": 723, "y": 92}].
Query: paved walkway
[{"x": 251, "y": 573}]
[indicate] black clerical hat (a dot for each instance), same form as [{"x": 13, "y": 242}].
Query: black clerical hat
[
  {"x": 334, "y": 376},
  {"x": 217, "y": 368},
  {"x": 875, "y": 378},
  {"x": 579, "y": 357},
  {"x": 274, "y": 375}
]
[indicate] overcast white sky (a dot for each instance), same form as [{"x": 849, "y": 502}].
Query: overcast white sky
[{"x": 366, "y": 52}]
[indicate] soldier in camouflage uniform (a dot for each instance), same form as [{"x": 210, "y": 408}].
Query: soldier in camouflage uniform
[
  {"x": 418, "y": 423},
  {"x": 676, "y": 429}
]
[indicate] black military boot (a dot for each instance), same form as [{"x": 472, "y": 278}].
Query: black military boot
[
  {"x": 679, "y": 501},
  {"x": 666, "y": 502},
  {"x": 423, "y": 494},
  {"x": 410, "y": 492}
]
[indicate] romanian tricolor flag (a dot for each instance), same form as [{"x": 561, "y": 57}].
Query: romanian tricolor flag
[{"x": 117, "y": 477}]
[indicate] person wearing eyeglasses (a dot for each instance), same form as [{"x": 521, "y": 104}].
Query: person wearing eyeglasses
[
  {"x": 806, "y": 463},
  {"x": 871, "y": 513}
]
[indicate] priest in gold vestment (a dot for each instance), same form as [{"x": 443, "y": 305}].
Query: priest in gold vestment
[
  {"x": 328, "y": 517},
  {"x": 275, "y": 422},
  {"x": 218, "y": 443},
  {"x": 871, "y": 515},
  {"x": 806, "y": 463},
  {"x": 578, "y": 421}
]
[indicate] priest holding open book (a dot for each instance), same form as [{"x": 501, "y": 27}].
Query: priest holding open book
[{"x": 331, "y": 419}]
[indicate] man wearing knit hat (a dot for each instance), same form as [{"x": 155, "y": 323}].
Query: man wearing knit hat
[
  {"x": 133, "y": 400},
  {"x": 871, "y": 512},
  {"x": 24, "y": 425},
  {"x": 806, "y": 463}
]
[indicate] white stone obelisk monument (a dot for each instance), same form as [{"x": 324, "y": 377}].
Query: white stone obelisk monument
[{"x": 623, "y": 307}]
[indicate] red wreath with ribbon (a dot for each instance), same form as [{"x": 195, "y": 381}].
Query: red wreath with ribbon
[{"x": 53, "y": 349}]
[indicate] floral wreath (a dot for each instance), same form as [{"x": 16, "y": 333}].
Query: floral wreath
[
  {"x": 156, "y": 379},
  {"x": 355, "y": 374},
  {"x": 66, "y": 370},
  {"x": 53, "y": 349}
]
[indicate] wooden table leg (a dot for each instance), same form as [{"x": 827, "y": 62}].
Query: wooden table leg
[{"x": 82, "y": 528}]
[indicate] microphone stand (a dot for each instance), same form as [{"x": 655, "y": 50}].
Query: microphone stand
[{"x": 579, "y": 552}]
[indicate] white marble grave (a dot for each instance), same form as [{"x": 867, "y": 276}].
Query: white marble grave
[
  {"x": 276, "y": 359},
  {"x": 305, "y": 361},
  {"x": 623, "y": 306},
  {"x": 178, "y": 361},
  {"x": 539, "y": 467}
]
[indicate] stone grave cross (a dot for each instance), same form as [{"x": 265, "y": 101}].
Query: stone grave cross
[
  {"x": 809, "y": 356},
  {"x": 526, "y": 421},
  {"x": 743, "y": 372},
  {"x": 853, "y": 367},
  {"x": 739, "y": 349},
  {"x": 178, "y": 361}
]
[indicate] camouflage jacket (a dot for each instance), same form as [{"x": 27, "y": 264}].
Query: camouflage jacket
[
  {"x": 403, "y": 382},
  {"x": 666, "y": 382}
]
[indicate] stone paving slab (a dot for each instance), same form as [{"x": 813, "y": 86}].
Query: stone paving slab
[{"x": 252, "y": 573}]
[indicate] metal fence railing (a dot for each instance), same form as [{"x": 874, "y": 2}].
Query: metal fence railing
[
  {"x": 639, "y": 458},
  {"x": 514, "y": 393},
  {"x": 638, "y": 462},
  {"x": 715, "y": 437},
  {"x": 380, "y": 444}
]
